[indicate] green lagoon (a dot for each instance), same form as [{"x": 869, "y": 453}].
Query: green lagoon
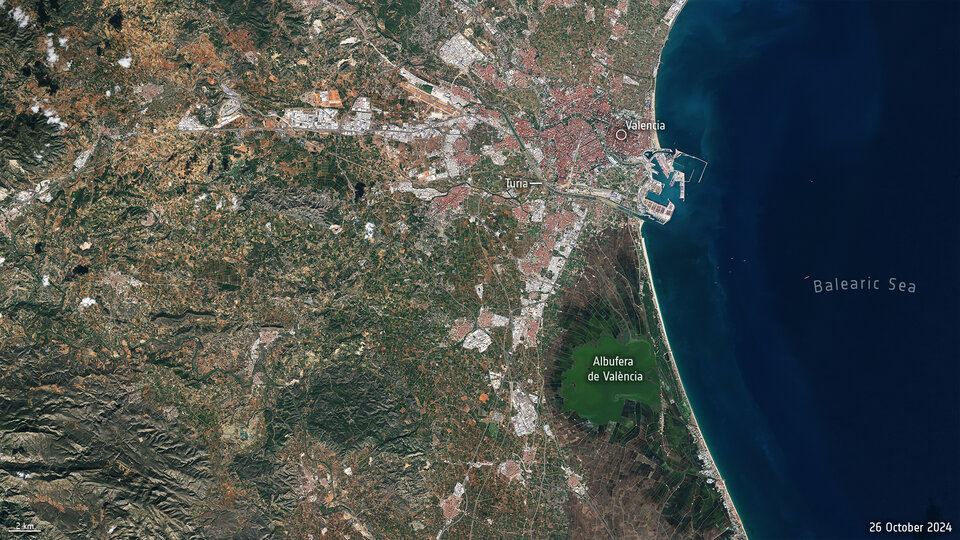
[{"x": 607, "y": 372}]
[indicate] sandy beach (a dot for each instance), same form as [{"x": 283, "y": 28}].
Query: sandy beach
[{"x": 710, "y": 464}]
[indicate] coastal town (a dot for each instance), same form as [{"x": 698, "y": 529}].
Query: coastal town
[
  {"x": 651, "y": 191},
  {"x": 648, "y": 187},
  {"x": 336, "y": 259}
]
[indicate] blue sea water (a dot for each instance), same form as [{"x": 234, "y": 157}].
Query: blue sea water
[{"x": 832, "y": 131}]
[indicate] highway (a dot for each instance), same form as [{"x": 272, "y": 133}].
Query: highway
[{"x": 626, "y": 210}]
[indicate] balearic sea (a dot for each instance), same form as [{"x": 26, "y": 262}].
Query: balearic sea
[{"x": 832, "y": 131}]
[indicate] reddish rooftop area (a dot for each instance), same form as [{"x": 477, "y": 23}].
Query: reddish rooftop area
[{"x": 451, "y": 200}]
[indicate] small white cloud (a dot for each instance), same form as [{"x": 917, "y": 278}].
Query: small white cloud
[
  {"x": 21, "y": 18},
  {"x": 126, "y": 61},
  {"x": 55, "y": 119},
  {"x": 52, "y": 56}
]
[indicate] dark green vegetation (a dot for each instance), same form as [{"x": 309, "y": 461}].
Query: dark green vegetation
[
  {"x": 608, "y": 307},
  {"x": 601, "y": 401},
  {"x": 415, "y": 25},
  {"x": 270, "y": 23},
  {"x": 398, "y": 17},
  {"x": 28, "y": 139},
  {"x": 96, "y": 436}
]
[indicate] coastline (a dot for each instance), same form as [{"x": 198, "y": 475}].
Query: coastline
[
  {"x": 655, "y": 140},
  {"x": 737, "y": 524},
  {"x": 758, "y": 301},
  {"x": 739, "y": 531}
]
